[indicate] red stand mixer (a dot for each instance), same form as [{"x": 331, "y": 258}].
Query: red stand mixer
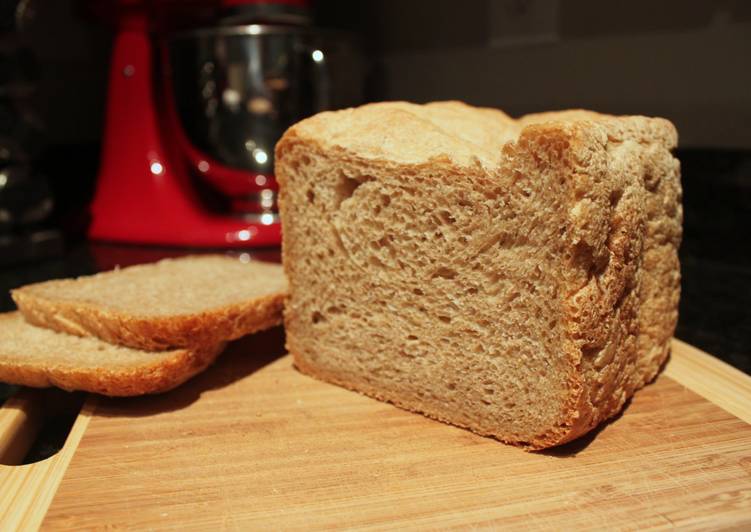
[{"x": 193, "y": 116}]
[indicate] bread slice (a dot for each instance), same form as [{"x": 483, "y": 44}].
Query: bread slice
[
  {"x": 33, "y": 356},
  {"x": 187, "y": 302},
  {"x": 519, "y": 278}
]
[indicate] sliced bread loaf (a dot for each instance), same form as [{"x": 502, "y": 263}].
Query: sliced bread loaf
[
  {"x": 187, "y": 302},
  {"x": 34, "y": 356},
  {"x": 516, "y": 277}
]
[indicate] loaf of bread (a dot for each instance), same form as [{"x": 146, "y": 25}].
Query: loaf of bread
[
  {"x": 38, "y": 357},
  {"x": 519, "y": 278},
  {"x": 192, "y": 302}
]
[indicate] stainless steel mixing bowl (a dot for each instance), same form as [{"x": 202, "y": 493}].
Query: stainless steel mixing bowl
[{"x": 238, "y": 88}]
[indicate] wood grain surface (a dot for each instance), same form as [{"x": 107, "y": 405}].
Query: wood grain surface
[
  {"x": 711, "y": 378},
  {"x": 27, "y": 490},
  {"x": 252, "y": 443}
]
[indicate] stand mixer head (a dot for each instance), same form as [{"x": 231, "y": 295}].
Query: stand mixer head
[{"x": 193, "y": 116}]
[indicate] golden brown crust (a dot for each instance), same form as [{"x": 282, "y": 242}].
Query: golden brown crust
[
  {"x": 152, "y": 332},
  {"x": 390, "y": 132},
  {"x": 157, "y": 377},
  {"x": 619, "y": 283},
  {"x": 41, "y": 358},
  {"x": 185, "y": 302},
  {"x": 622, "y": 184}
]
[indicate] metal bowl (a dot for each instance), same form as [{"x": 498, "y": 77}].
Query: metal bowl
[{"x": 238, "y": 88}]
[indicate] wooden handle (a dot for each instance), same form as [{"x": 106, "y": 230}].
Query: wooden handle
[
  {"x": 20, "y": 420},
  {"x": 713, "y": 379},
  {"x": 26, "y": 491}
]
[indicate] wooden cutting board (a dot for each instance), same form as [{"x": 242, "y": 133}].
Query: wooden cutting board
[{"x": 253, "y": 444}]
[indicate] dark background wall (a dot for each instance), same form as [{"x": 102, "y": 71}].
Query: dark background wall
[
  {"x": 689, "y": 61},
  {"x": 70, "y": 53}
]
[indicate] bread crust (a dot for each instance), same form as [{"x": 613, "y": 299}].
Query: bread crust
[
  {"x": 619, "y": 276},
  {"x": 159, "y": 371},
  {"x": 151, "y": 333},
  {"x": 158, "y": 377},
  {"x": 42, "y": 305},
  {"x": 624, "y": 192}
]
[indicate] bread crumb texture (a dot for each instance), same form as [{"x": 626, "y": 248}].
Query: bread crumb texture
[
  {"x": 519, "y": 278},
  {"x": 192, "y": 301},
  {"x": 34, "y": 356}
]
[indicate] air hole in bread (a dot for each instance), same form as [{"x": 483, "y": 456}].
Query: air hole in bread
[
  {"x": 445, "y": 217},
  {"x": 317, "y": 317},
  {"x": 590, "y": 351},
  {"x": 615, "y": 197},
  {"x": 346, "y": 187},
  {"x": 445, "y": 319},
  {"x": 446, "y": 273},
  {"x": 311, "y": 196}
]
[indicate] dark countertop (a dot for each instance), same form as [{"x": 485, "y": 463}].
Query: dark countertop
[
  {"x": 715, "y": 312},
  {"x": 715, "y": 257}
]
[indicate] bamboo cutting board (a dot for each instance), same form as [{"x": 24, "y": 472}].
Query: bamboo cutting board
[{"x": 253, "y": 444}]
